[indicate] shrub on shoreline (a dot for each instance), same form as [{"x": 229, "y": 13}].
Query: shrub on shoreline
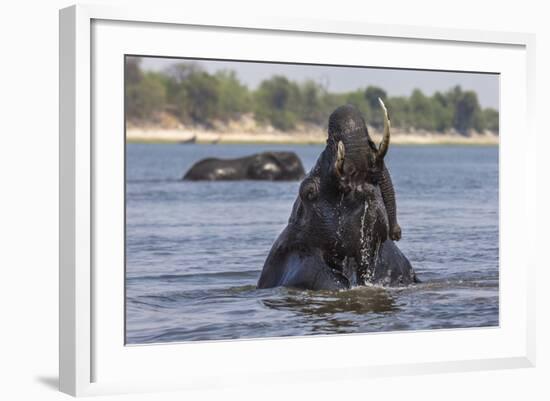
[{"x": 196, "y": 97}]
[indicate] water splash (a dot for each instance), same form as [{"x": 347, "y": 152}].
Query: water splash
[
  {"x": 365, "y": 244},
  {"x": 340, "y": 223},
  {"x": 363, "y": 218}
]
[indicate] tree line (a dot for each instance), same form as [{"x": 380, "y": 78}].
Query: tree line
[{"x": 195, "y": 96}]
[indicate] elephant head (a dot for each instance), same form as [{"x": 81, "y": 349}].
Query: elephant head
[
  {"x": 340, "y": 207},
  {"x": 341, "y": 227}
]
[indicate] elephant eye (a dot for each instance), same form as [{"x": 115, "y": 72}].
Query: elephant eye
[{"x": 309, "y": 191}]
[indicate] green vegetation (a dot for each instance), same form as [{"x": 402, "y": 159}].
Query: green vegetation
[{"x": 194, "y": 96}]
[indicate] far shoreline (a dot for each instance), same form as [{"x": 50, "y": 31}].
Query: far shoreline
[{"x": 177, "y": 136}]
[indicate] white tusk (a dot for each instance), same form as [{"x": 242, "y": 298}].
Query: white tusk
[{"x": 383, "y": 148}]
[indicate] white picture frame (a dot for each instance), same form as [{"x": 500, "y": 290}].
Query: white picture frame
[{"x": 93, "y": 357}]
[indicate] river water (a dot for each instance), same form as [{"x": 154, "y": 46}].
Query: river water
[{"x": 194, "y": 250}]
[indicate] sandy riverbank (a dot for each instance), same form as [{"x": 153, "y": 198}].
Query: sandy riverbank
[{"x": 161, "y": 135}]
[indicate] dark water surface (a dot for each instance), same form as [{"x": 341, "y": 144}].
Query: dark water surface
[{"x": 194, "y": 250}]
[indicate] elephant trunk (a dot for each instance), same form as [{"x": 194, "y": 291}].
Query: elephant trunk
[
  {"x": 388, "y": 195},
  {"x": 348, "y": 137},
  {"x": 351, "y": 139}
]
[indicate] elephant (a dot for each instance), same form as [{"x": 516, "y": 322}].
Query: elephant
[
  {"x": 269, "y": 166},
  {"x": 343, "y": 224}
]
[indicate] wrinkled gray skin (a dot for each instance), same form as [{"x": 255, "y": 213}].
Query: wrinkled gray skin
[
  {"x": 338, "y": 234},
  {"x": 271, "y": 166}
]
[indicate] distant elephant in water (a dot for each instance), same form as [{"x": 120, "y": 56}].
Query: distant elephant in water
[
  {"x": 342, "y": 224},
  {"x": 270, "y": 166}
]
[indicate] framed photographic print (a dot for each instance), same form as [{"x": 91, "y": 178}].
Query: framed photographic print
[{"x": 243, "y": 200}]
